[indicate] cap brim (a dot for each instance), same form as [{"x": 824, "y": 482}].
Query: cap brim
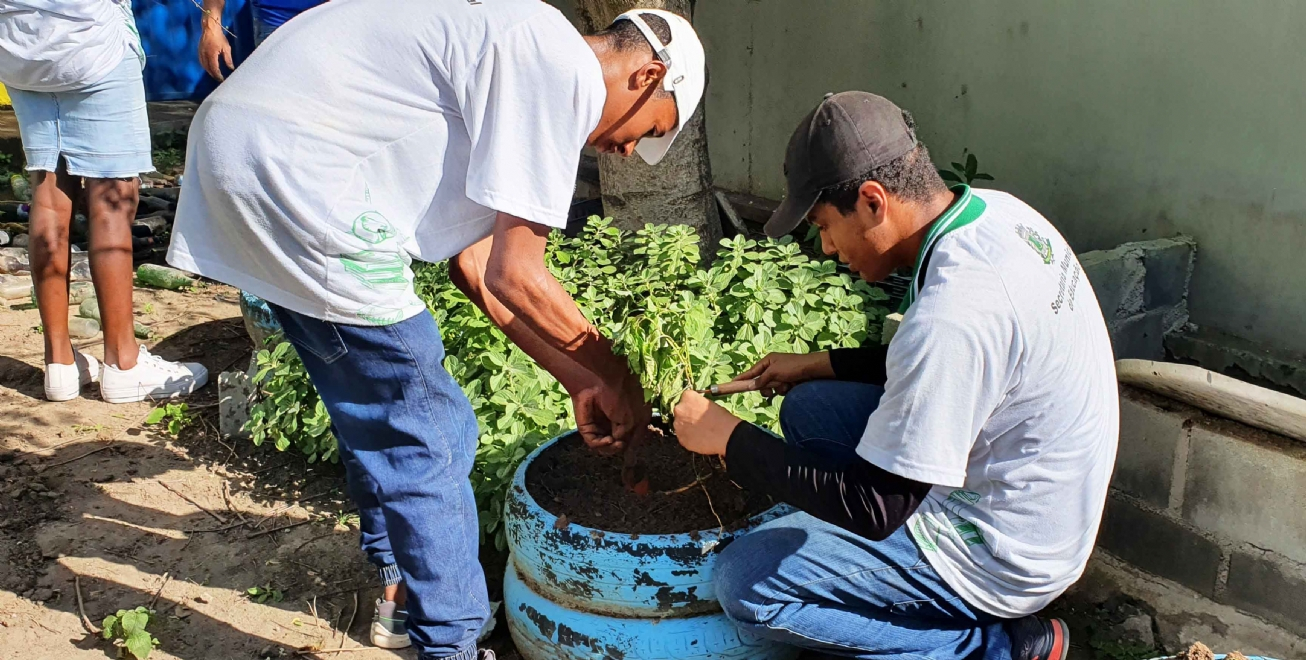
[
  {"x": 652, "y": 149},
  {"x": 789, "y": 214}
]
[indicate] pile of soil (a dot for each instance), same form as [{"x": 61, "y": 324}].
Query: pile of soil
[
  {"x": 687, "y": 492},
  {"x": 1199, "y": 651}
]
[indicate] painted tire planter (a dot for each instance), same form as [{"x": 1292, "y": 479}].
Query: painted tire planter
[{"x": 584, "y": 594}]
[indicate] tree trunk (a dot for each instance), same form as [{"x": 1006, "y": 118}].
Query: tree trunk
[{"x": 678, "y": 190}]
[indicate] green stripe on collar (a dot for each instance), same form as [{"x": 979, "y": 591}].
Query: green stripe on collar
[{"x": 965, "y": 210}]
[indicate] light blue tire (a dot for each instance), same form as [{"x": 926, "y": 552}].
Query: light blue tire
[{"x": 578, "y": 593}]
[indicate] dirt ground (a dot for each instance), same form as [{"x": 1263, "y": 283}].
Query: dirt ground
[{"x": 90, "y": 495}]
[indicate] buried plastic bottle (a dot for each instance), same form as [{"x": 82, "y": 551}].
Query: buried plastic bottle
[
  {"x": 14, "y": 286},
  {"x": 83, "y": 328},
  {"x": 163, "y": 277},
  {"x": 90, "y": 309}
]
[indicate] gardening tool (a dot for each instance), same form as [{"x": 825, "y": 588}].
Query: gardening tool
[{"x": 733, "y": 387}]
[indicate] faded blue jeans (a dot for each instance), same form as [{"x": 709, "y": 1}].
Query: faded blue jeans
[
  {"x": 811, "y": 584},
  {"x": 407, "y": 437}
]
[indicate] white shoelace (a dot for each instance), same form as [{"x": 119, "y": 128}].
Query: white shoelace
[{"x": 161, "y": 364}]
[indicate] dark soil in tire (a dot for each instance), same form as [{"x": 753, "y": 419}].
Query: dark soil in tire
[{"x": 687, "y": 492}]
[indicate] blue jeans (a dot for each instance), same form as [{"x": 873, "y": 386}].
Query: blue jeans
[
  {"x": 407, "y": 437},
  {"x": 811, "y": 584}
]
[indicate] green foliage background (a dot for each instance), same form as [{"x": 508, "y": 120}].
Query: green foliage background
[{"x": 679, "y": 324}]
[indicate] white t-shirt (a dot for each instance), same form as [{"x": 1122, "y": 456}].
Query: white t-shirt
[
  {"x": 1002, "y": 393},
  {"x": 368, "y": 133},
  {"x": 64, "y": 45}
]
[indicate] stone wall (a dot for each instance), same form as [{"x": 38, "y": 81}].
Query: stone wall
[{"x": 1211, "y": 504}]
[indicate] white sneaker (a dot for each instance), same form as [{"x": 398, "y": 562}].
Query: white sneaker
[
  {"x": 63, "y": 382},
  {"x": 152, "y": 378}
]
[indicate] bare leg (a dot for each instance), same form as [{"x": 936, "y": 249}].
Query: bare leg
[
  {"x": 396, "y": 593},
  {"x": 52, "y": 211},
  {"x": 111, "y": 206}
]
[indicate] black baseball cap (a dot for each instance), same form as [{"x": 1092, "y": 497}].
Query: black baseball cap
[{"x": 846, "y": 136}]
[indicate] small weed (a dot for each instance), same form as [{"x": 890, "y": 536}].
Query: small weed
[
  {"x": 967, "y": 173},
  {"x": 264, "y": 594},
  {"x": 149, "y": 308},
  {"x": 175, "y": 416},
  {"x": 38, "y": 329},
  {"x": 344, "y": 519},
  {"x": 88, "y": 428},
  {"x": 126, "y": 630}
]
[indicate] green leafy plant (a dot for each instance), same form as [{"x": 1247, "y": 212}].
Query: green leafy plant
[
  {"x": 678, "y": 323},
  {"x": 264, "y": 594},
  {"x": 126, "y": 630},
  {"x": 174, "y": 417},
  {"x": 288, "y": 410},
  {"x": 169, "y": 152},
  {"x": 968, "y": 173}
]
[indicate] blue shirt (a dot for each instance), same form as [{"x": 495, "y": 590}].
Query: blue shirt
[{"x": 274, "y": 13}]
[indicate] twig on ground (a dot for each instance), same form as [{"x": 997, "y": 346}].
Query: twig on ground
[
  {"x": 226, "y": 497},
  {"x": 307, "y": 652},
  {"x": 197, "y": 505},
  {"x": 34, "y": 620},
  {"x": 335, "y": 625},
  {"x": 127, "y": 557},
  {"x": 217, "y": 529},
  {"x": 345, "y": 633},
  {"x": 281, "y": 528},
  {"x": 312, "y": 607},
  {"x": 166, "y": 577},
  {"x": 32, "y": 452},
  {"x": 290, "y": 506},
  {"x": 315, "y": 538},
  {"x": 43, "y": 468},
  {"x": 81, "y": 609}
]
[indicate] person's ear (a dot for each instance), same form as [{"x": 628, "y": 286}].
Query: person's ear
[
  {"x": 651, "y": 73},
  {"x": 874, "y": 197}
]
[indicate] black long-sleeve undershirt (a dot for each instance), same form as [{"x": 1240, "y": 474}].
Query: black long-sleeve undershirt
[
  {"x": 860, "y": 365},
  {"x": 855, "y": 495}
]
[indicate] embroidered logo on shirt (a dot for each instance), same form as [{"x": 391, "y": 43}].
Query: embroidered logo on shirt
[{"x": 1041, "y": 245}]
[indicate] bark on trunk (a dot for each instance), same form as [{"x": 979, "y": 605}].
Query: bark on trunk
[{"x": 677, "y": 190}]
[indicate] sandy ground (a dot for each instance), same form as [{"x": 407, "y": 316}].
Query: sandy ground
[{"x": 90, "y": 495}]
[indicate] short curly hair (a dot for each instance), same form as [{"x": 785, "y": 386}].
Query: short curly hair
[{"x": 911, "y": 177}]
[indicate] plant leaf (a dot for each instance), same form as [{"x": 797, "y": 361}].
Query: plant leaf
[{"x": 140, "y": 643}]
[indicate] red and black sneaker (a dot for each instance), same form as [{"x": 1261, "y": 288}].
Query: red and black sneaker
[{"x": 1033, "y": 638}]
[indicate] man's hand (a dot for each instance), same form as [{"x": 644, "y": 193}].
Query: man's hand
[
  {"x": 701, "y": 426},
  {"x": 609, "y": 418},
  {"x": 777, "y": 373},
  {"x": 214, "y": 48}
]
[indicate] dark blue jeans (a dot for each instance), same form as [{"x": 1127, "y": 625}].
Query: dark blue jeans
[
  {"x": 808, "y": 583},
  {"x": 407, "y": 438}
]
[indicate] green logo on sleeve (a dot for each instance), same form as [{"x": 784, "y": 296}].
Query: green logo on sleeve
[{"x": 1041, "y": 245}]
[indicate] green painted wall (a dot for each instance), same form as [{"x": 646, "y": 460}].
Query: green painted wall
[{"x": 1120, "y": 120}]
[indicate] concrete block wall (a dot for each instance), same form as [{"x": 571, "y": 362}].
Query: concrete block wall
[
  {"x": 1143, "y": 290},
  {"x": 1212, "y": 504}
]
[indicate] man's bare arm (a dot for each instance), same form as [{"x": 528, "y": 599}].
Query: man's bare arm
[{"x": 467, "y": 271}]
